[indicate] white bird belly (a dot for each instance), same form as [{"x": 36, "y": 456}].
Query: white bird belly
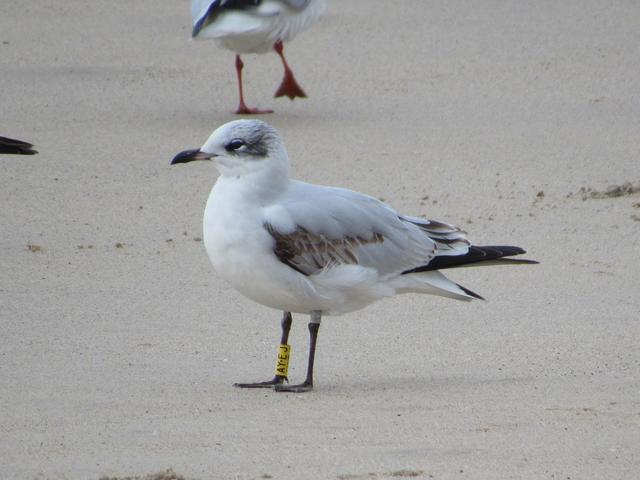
[
  {"x": 256, "y": 32},
  {"x": 241, "y": 252},
  {"x": 242, "y": 33}
]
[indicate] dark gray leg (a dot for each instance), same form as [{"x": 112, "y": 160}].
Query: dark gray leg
[
  {"x": 277, "y": 379},
  {"x": 307, "y": 385}
]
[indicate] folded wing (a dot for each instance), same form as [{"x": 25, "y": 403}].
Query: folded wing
[{"x": 315, "y": 228}]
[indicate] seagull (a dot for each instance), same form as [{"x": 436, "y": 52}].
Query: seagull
[
  {"x": 317, "y": 250},
  {"x": 16, "y": 147},
  {"x": 255, "y": 26}
]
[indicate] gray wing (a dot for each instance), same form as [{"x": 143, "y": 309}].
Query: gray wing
[
  {"x": 449, "y": 239},
  {"x": 316, "y": 228}
]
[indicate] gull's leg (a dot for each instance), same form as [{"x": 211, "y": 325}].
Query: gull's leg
[
  {"x": 281, "y": 372},
  {"x": 307, "y": 385},
  {"x": 242, "y": 107},
  {"x": 289, "y": 85}
]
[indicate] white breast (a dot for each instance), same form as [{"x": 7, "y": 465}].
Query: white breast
[{"x": 241, "y": 252}]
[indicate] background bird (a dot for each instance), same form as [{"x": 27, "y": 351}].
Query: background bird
[
  {"x": 318, "y": 250},
  {"x": 255, "y": 26},
  {"x": 16, "y": 147}
]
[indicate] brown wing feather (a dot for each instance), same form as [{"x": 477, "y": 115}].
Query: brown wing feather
[{"x": 308, "y": 253}]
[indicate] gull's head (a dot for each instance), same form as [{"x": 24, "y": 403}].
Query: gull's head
[{"x": 240, "y": 148}]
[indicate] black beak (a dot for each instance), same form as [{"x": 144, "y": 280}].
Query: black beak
[{"x": 191, "y": 155}]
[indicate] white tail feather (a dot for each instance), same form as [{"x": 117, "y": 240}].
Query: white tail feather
[{"x": 432, "y": 283}]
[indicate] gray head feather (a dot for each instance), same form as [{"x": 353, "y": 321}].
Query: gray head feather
[{"x": 251, "y": 137}]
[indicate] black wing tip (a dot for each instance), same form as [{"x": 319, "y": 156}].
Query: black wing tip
[
  {"x": 519, "y": 261},
  {"x": 17, "y": 151},
  {"x": 475, "y": 255},
  {"x": 12, "y": 146},
  {"x": 502, "y": 250},
  {"x": 197, "y": 27}
]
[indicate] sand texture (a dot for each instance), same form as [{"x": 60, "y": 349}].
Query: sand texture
[{"x": 119, "y": 345}]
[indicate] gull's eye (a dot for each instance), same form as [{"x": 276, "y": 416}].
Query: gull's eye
[{"x": 234, "y": 145}]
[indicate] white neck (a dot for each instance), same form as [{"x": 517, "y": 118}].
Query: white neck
[
  {"x": 260, "y": 187},
  {"x": 258, "y": 181}
]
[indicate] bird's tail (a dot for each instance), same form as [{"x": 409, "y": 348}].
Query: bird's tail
[
  {"x": 433, "y": 283},
  {"x": 430, "y": 280}
]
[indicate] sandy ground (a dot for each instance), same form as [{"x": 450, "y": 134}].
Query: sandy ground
[{"x": 119, "y": 343}]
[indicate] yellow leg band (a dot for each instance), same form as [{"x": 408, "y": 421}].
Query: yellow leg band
[{"x": 282, "y": 365}]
